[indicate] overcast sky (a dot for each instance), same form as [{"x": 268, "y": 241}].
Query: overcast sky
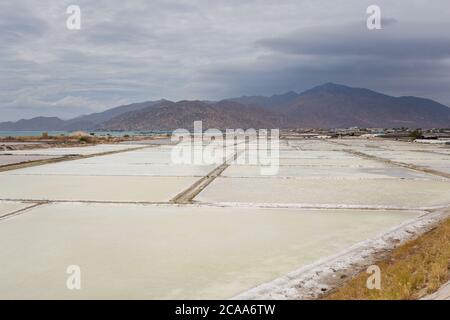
[{"x": 132, "y": 51}]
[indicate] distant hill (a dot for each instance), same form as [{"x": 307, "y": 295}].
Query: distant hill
[
  {"x": 172, "y": 115},
  {"x": 325, "y": 106},
  {"x": 84, "y": 122},
  {"x": 336, "y": 106},
  {"x": 272, "y": 102},
  {"x": 92, "y": 121},
  {"x": 38, "y": 123}
]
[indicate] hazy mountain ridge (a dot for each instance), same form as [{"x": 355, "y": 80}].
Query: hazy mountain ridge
[
  {"x": 334, "y": 106},
  {"x": 182, "y": 114},
  {"x": 325, "y": 106},
  {"x": 83, "y": 122},
  {"x": 50, "y": 123},
  {"x": 271, "y": 102}
]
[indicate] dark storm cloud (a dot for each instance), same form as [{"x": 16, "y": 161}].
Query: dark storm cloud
[
  {"x": 302, "y": 74},
  {"x": 394, "y": 42},
  {"x": 400, "y": 59}
]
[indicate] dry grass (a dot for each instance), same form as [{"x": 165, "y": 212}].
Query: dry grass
[{"x": 412, "y": 270}]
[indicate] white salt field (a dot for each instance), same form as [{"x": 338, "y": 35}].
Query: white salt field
[
  {"x": 298, "y": 171},
  {"x": 92, "y": 188},
  {"x": 119, "y": 217},
  {"x": 11, "y": 207},
  {"x": 363, "y": 192},
  {"x": 330, "y": 162},
  {"x": 101, "y": 148},
  {"x": 14, "y": 159},
  {"x": 150, "y": 252},
  {"x": 408, "y": 155},
  {"x": 74, "y": 168},
  {"x": 148, "y": 156},
  {"x": 314, "y": 154},
  {"x": 18, "y": 143},
  {"x": 393, "y": 145},
  {"x": 312, "y": 158},
  {"x": 435, "y": 158}
]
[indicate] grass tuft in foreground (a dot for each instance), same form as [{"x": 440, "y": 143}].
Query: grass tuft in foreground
[{"x": 413, "y": 270}]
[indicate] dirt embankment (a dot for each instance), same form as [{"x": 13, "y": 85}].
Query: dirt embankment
[{"x": 411, "y": 271}]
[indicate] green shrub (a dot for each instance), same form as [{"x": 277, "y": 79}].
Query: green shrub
[
  {"x": 416, "y": 134},
  {"x": 85, "y": 139}
]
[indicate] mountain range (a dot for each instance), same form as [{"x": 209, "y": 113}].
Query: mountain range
[{"x": 326, "y": 106}]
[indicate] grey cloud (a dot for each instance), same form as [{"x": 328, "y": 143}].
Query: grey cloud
[
  {"x": 136, "y": 50},
  {"x": 123, "y": 32},
  {"x": 357, "y": 40},
  {"x": 18, "y": 23},
  {"x": 423, "y": 77},
  {"x": 387, "y": 22}
]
